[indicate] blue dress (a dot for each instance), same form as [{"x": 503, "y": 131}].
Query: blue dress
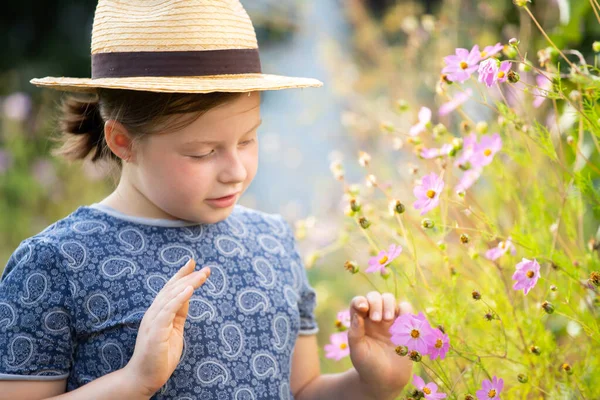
[{"x": 72, "y": 298}]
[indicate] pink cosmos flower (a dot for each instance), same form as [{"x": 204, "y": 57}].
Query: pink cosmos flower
[
  {"x": 540, "y": 92},
  {"x": 526, "y": 275},
  {"x": 502, "y": 74},
  {"x": 428, "y": 193},
  {"x": 487, "y": 71},
  {"x": 381, "y": 260},
  {"x": 429, "y": 390},
  {"x": 439, "y": 346},
  {"x": 490, "y": 51},
  {"x": 338, "y": 348},
  {"x": 460, "y": 66},
  {"x": 468, "y": 179},
  {"x": 484, "y": 151},
  {"x": 456, "y": 102},
  {"x": 500, "y": 250},
  {"x": 424, "y": 119},
  {"x": 469, "y": 143},
  {"x": 344, "y": 318},
  {"x": 412, "y": 331},
  {"x": 434, "y": 152},
  {"x": 490, "y": 389}
]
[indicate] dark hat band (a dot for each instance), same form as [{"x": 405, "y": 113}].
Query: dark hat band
[{"x": 175, "y": 63}]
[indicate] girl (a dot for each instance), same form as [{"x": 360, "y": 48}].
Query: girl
[{"x": 108, "y": 302}]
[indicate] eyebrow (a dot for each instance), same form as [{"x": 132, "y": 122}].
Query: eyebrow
[{"x": 212, "y": 142}]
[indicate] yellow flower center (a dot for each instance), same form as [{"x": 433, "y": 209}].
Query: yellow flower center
[
  {"x": 438, "y": 344},
  {"x": 530, "y": 274},
  {"x": 501, "y": 74},
  {"x": 338, "y": 323},
  {"x": 383, "y": 260},
  {"x": 483, "y": 54},
  {"x": 431, "y": 193},
  {"x": 426, "y": 390},
  {"x": 502, "y": 245},
  {"x": 464, "y": 65},
  {"x": 492, "y": 393},
  {"x": 343, "y": 346},
  {"x": 415, "y": 333},
  {"x": 487, "y": 152}
]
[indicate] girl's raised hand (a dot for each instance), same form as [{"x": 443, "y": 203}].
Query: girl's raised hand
[{"x": 159, "y": 342}]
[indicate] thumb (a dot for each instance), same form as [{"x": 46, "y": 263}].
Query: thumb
[{"x": 359, "y": 308}]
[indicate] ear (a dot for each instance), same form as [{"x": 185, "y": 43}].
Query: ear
[{"x": 118, "y": 140}]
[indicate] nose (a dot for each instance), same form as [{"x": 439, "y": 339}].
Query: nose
[{"x": 233, "y": 169}]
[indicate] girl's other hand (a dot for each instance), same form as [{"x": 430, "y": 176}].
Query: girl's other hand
[{"x": 159, "y": 342}]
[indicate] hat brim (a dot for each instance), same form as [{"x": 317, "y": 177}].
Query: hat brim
[{"x": 187, "y": 84}]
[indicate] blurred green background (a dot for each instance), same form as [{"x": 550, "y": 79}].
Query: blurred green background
[{"x": 368, "y": 52}]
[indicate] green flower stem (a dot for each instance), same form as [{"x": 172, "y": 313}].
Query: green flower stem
[{"x": 447, "y": 384}]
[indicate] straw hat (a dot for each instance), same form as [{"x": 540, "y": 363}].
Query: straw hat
[{"x": 185, "y": 46}]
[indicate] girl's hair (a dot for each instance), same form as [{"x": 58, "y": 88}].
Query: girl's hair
[{"x": 141, "y": 113}]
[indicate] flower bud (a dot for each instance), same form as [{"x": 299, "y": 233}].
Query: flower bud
[
  {"x": 386, "y": 273},
  {"x": 570, "y": 140},
  {"x": 548, "y": 307},
  {"x": 553, "y": 288},
  {"x": 364, "y": 222},
  {"x": 535, "y": 350},
  {"x": 489, "y": 316},
  {"x": 401, "y": 350},
  {"x": 481, "y": 127},
  {"x": 351, "y": 266},
  {"x": 567, "y": 368},
  {"x": 402, "y": 105},
  {"x": 439, "y": 130},
  {"x": 355, "y": 205},
  {"x": 464, "y": 238},
  {"x": 386, "y": 127},
  {"x": 364, "y": 158},
  {"x": 596, "y": 47},
  {"x": 371, "y": 180},
  {"x": 521, "y": 3},
  {"x": 510, "y": 51},
  {"x": 337, "y": 169},
  {"x": 414, "y": 356},
  {"x": 427, "y": 223},
  {"x": 522, "y": 378},
  {"x": 399, "y": 207},
  {"x": 514, "y": 42},
  {"x": 397, "y": 143},
  {"x": 595, "y": 278},
  {"x": 513, "y": 77},
  {"x": 476, "y": 295},
  {"x": 469, "y": 397},
  {"x": 465, "y": 126},
  {"x": 442, "y": 245},
  {"x": 457, "y": 143}
]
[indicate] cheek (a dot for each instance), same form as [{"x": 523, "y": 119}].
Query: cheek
[
  {"x": 250, "y": 162},
  {"x": 176, "y": 177}
]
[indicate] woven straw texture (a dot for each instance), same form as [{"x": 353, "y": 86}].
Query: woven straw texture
[{"x": 174, "y": 25}]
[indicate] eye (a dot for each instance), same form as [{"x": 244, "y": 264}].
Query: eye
[
  {"x": 247, "y": 142},
  {"x": 202, "y": 156}
]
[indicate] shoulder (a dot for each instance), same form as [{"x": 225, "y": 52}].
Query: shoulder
[{"x": 262, "y": 222}]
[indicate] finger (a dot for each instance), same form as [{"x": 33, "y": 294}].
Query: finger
[
  {"x": 358, "y": 311},
  {"x": 375, "y": 306},
  {"x": 404, "y": 307},
  {"x": 165, "y": 317},
  {"x": 187, "y": 268},
  {"x": 196, "y": 279},
  {"x": 389, "y": 306}
]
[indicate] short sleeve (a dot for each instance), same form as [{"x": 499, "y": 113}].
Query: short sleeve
[
  {"x": 307, "y": 294},
  {"x": 35, "y": 315}
]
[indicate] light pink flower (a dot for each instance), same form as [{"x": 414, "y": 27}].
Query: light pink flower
[
  {"x": 502, "y": 74},
  {"x": 439, "y": 346},
  {"x": 500, "y": 250},
  {"x": 338, "y": 348},
  {"x": 424, "y": 120},
  {"x": 17, "y": 106},
  {"x": 490, "y": 51},
  {"x": 430, "y": 390},
  {"x": 435, "y": 152},
  {"x": 541, "y": 91},
  {"x": 469, "y": 143},
  {"x": 460, "y": 66},
  {"x": 526, "y": 275},
  {"x": 428, "y": 193},
  {"x": 412, "y": 331},
  {"x": 468, "y": 179},
  {"x": 344, "y": 318},
  {"x": 490, "y": 390},
  {"x": 381, "y": 260},
  {"x": 487, "y": 71},
  {"x": 456, "y": 102},
  {"x": 484, "y": 151}
]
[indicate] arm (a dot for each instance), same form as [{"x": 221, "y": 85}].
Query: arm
[{"x": 307, "y": 383}]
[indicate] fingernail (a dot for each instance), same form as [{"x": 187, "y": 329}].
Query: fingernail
[
  {"x": 388, "y": 315},
  {"x": 362, "y": 305},
  {"x": 376, "y": 316}
]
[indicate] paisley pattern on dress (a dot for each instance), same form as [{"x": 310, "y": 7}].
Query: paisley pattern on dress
[{"x": 72, "y": 298}]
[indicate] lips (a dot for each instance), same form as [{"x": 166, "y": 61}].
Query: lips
[{"x": 224, "y": 197}]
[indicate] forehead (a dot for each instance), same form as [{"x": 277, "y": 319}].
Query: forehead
[{"x": 226, "y": 121}]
